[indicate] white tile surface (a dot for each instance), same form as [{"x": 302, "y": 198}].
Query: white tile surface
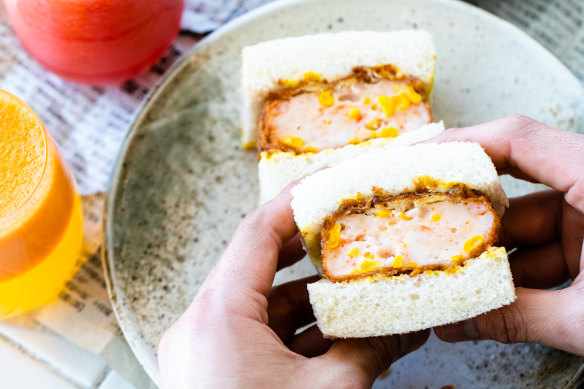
[
  {"x": 69, "y": 360},
  {"x": 19, "y": 371}
]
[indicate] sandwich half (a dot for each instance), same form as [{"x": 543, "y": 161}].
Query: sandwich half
[
  {"x": 405, "y": 239},
  {"x": 317, "y": 100}
]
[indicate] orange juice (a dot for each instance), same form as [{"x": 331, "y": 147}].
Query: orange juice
[{"x": 40, "y": 212}]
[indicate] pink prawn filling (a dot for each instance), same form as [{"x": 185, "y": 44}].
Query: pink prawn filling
[
  {"x": 353, "y": 117},
  {"x": 433, "y": 234}
]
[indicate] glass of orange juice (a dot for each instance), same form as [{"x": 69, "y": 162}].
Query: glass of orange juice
[{"x": 40, "y": 212}]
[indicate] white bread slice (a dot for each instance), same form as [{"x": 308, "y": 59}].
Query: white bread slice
[
  {"x": 332, "y": 56},
  {"x": 396, "y": 305},
  {"x": 277, "y": 169}
]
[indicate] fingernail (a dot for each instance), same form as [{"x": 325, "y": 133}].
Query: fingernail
[{"x": 458, "y": 332}]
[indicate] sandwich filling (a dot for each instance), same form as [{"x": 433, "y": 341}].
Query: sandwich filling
[
  {"x": 313, "y": 114},
  {"x": 410, "y": 233}
]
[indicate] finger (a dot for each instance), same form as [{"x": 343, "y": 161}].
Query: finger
[
  {"x": 291, "y": 253},
  {"x": 249, "y": 263},
  {"x": 541, "y": 218},
  {"x": 289, "y": 307},
  {"x": 540, "y": 267},
  {"x": 573, "y": 239},
  {"x": 364, "y": 359},
  {"x": 523, "y": 147},
  {"x": 553, "y": 318},
  {"x": 533, "y": 219},
  {"x": 309, "y": 343}
]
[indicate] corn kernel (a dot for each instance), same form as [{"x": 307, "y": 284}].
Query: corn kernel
[
  {"x": 249, "y": 145},
  {"x": 311, "y": 76},
  {"x": 367, "y": 100},
  {"x": 436, "y": 217},
  {"x": 402, "y": 102},
  {"x": 436, "y": 272},
  {"x": 373, "y": 135},
  {"x": 310, "y": 149},
  {"x": 405, "y": 245},
  {"x": 387, "y": 104},
  {"x": 326, "y": 98},
  {"x": 457, "y": 258},
  {"x": 473, "y": 243},
  {"x": 428, "y": 272},
  {"x": 353, "y": 252},
  {"x": 334, "y": 236},
  {"x": 374, "y": 107},
  {"x": 412, "y": 265},
  {"x": 354, "y": 113},
  {"x": 354, "y": 271},
  {"x": 368, "y": 255},
  {"x": 398, "y": 261},
  {"x": 369, "y": 266},
  {"x": 403, "y": 216},
  {"x": 384, "y": 213},
  {"x": 373, "y": 124},
  {"x": 389, "y": 132},
  {"x": 290, "y": 83},
  {"x": 354, "y": 141},
  {"x": 293, "y": 141},
  {"x": 414, "y": 96}
]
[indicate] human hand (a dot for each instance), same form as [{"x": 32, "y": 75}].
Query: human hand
[
  {"x": 240, "y": 332},
  {"x": 547, "y": 228}
]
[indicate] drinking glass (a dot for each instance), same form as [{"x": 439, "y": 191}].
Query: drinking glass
[{"x": 40, "y": 212}]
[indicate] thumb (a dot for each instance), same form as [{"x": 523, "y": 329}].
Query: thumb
[
  {"x": 553, "y": 318},
  {"x": 360, "y": 361}
]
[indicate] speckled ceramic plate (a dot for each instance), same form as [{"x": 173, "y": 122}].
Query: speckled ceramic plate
[{"x": 182, "y": 183}]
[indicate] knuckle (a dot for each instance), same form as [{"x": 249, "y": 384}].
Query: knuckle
[
  {"x": 352, "y": 382},
  {"x": 344, "y": 380},
  {"x": 519, "y": 120},
  {"x": 258, "y": 222},
  {"x": 207, "y": 310},
  {"x": 506, "y": 325},
  {"x": 344, "y": 376},
  {"x": 252, "y": 221},
  {"x": 575, "y": 195},
  {"x": 382, "y": 352},
  {"x": 521, "y": 125}
]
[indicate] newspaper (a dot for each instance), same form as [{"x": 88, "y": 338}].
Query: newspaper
[
  {"x": 89, "y": 124},
  {"x": 205, "y": 16}
]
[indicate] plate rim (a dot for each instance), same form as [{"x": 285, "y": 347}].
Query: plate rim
[{"x": 145, "y": 355}]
